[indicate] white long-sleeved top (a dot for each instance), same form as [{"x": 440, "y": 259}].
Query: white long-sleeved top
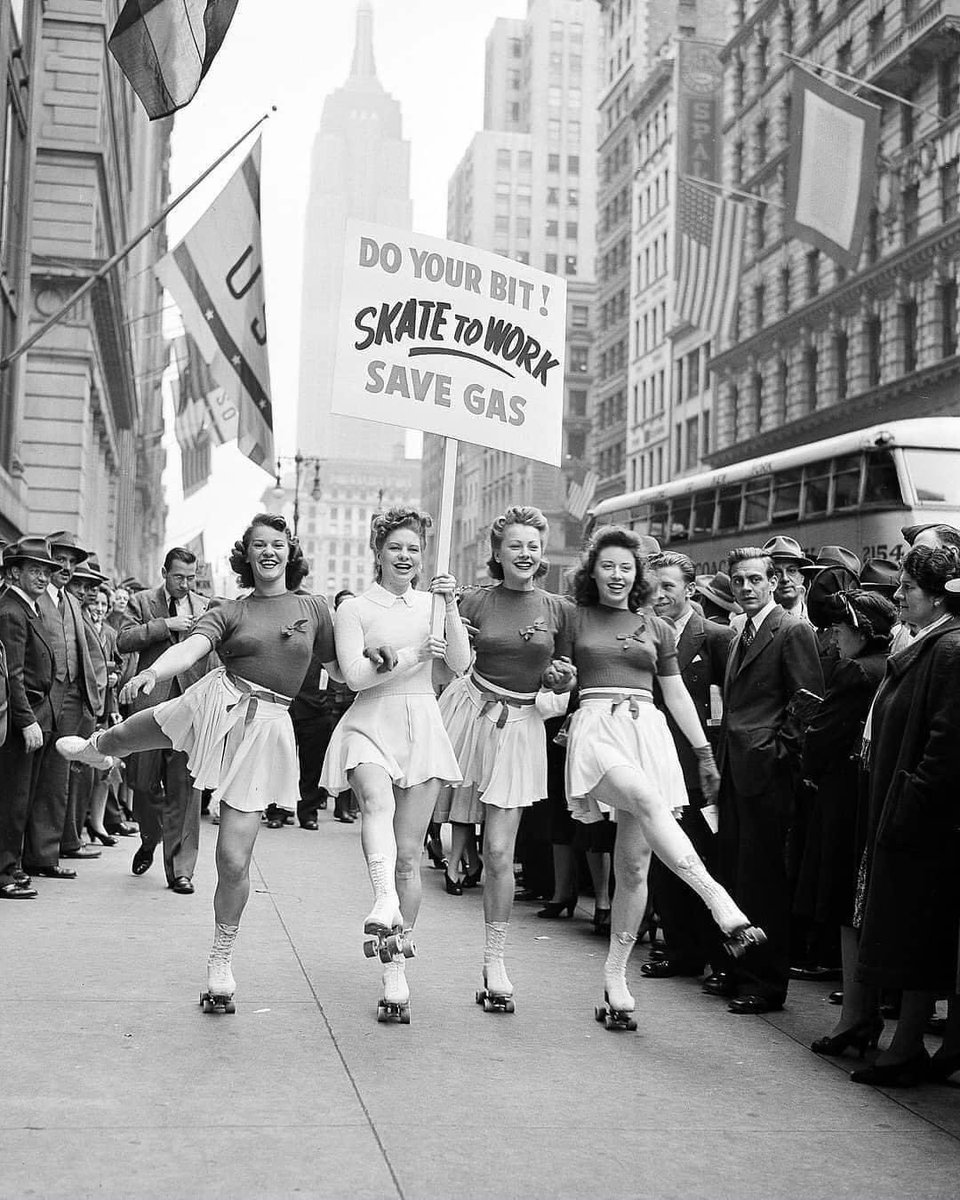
[{"x": 381, "y": 618}]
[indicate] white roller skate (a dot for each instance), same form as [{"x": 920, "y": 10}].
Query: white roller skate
[
  {"x": 385, "y": 921},
  {"x": 739, "y": 935},
  {"x": 84, "y": 750},
  {"x": 497, "y": 992},
  {"x": 394, "y": 1005},
  {"x": 618, "y": 1006},
  {"x": 221, "y": 984}
]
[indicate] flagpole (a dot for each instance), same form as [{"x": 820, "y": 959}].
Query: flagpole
[
  {"x": 89, "y": 283},
  {"x": 726, "y": 190},
  {"x": 812, "y": 67}
]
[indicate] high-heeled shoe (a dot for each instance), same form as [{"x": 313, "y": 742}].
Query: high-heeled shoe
[
  {"x": 105, "y": 839},
  {"x": 453, "y": 886},
  {"x": 862, "y": 1036},
  {"x": 900, "y": 1074},
  {"x": 556, "y": 908},
  {"x": 601, "y": 921},
  {"x": 470, "y": 880},
  {"x": 435, "y": 854}
]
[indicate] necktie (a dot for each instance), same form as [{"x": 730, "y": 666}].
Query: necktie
[
  {"x": 173, "y": 607},
  {"x": 746, "y": 638},
  {"x": 60, "y": 604}
]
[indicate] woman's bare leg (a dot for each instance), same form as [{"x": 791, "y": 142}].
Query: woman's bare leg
[
  {"x": 139, "y": 732},
  {"x": 413, "y": 812}
]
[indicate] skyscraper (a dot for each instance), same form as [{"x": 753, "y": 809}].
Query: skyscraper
[{"x": 360, "y": 168}]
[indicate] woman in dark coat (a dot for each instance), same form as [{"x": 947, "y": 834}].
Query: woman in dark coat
[
  {"x": 861, "y": 623},
  {"x": 911, "y": 904}
]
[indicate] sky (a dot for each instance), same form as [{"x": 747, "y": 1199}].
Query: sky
[{"x": 292, "y": 53}]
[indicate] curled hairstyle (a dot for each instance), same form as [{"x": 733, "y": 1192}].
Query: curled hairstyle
[
  {"x": 518, "y": 514},
  {"x": 385, "y": 523},
  {"x": 743, "y": 553},
  {"x": 933, "y": 570},
  {"x": 297, "y": 566},
  {"x": 670, "y": 558},
  {"x": 869, "y": 613},
  {"x": 584, "y": 586}
]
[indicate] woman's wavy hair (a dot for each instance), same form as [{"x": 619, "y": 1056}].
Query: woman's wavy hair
[
  {"x": 869, "y": 613},
  {"x": 932, "y": 570},
  {"x": 297, "y": 566},
  {"x": 518, "y": 514},
  {"x": 583, "y": 586},
  {"x": 385, "y": 523}
]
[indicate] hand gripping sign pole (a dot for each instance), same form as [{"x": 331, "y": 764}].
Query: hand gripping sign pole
[{"x": 451, "y": 340}]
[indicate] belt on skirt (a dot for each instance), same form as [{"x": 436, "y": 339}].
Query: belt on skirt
[
  {"x": 250, "y": 698},
  {"x": 491, "y": 696},
  {"x": 618, "y": 696}
]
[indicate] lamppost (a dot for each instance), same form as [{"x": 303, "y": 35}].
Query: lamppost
[{"x": 299, "y": 461}]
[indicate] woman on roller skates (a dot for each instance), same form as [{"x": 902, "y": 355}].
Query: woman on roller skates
[
  {"x": 494, "y": 717},
  {"x": 391, "y": 747},
  {"x": 620, "y": 753},
  {"x": 233, "y": 723}
]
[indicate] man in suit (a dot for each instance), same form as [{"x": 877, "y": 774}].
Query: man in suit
[
  {"x": 74, "y": 698},
  {"x": 165, "y": 802},
  {"x": 702, "y": 649},
  {"x": 773, "y": 655},
  {"x": 30, "y": 662}
]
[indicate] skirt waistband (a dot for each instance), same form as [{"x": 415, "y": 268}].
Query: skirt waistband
[
  {"x": 257, "y": 693},
  {"x": 491, "y": 695},
  {"x": 618, "y": 696}
]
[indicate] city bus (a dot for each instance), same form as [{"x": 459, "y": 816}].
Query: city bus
[{"x": 856, "y": 490}]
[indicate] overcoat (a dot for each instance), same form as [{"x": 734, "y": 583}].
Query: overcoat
[{"x": 911, "y": 906}]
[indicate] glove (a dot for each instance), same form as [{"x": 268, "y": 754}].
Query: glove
[{"x": 709, "y": 775}]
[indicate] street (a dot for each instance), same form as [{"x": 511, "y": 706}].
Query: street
[{"x": 116, "y": 1085}]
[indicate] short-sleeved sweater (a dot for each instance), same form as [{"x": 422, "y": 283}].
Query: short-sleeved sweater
[
  {"x": 270, "y": 640},
  {"x": 517, "y": 633},
  {"x": 616, "y": 648}
]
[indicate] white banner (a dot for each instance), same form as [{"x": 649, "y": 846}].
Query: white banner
[{"x": 445, "y": 338}]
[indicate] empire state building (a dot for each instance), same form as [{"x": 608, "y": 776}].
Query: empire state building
[{"x": 360, "y": 168}]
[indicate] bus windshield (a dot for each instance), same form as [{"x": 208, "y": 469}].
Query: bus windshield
[{"x": 935, "y": 475}]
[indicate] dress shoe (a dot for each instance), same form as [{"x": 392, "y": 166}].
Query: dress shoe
[
  {"x": 835, "y": 997},
  {"x": 55, "y": 872},
  {"x": 556, "y": 908},
  {"x": 754, "y": 1005},
  {"x": 311, "y": 824},
  {"x": 720, "y": 984},
  {"x": 20, "y": 877},
  {"x": 453, "y": 887},
  {"x": 899, "y": 1074},
  {"x": 344, "y": 818},
  {"x": 142, "y": 860},
  {"x": 122, "y": 830},
  {"x": 862, "y": 1036},
  {"x": 17, "y": 891},
  {"x": 182, "y": 886},
  {"x": 667, "y": 968},
  {"x": 82, "y": 852},
  {"x": 942, "y": 1066}
]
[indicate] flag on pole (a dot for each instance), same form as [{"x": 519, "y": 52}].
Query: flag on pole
[
  {"x": 166, "y": 47},
  {"x": 580, "y": 495},
  {"x": 203, "y": 416},
  {"x": 215, "y": 275},
  {"x": 709, "y": 255},
  {"x": 831, "y": 169}
]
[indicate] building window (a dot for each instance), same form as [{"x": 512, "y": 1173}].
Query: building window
[
  {"x": 693, "y": 437},
  {"x": 875, "y": 33},
  {"x": 840, "y": 362},
  {"x": 785, "y": 289},
  {"x": 571, "y": 229},
  {"x": 911, "y": 212},
  {"x": 576, "y": 444},
  {"x": 948, "y": 191},
  {"x": 573, "y": 164},
  {"x": 761, "y": 142},
  {"x": 813, "y": 274},
  {"x": 579, "y": 316},
  {"x": 570, "y": 264},
  {"x": 814, "y": 16},
  {"x": 873, "y": 236},
  {"x": 552, "y": 228},
  {"x": 949, "y": 85},
  {"x": 739, "y": 82},
  {"x": 577, "y": 403},
  {"x": 553, "y": 162},
  {"x": 845, "y": 56},
  {"x": 759, "y": 301},
  {"x": 579, "y": 360},
  {"x": 948, "y": 317},
  {"x": 873, "y": 332},
  {"x": 525, "y": 161},
  {"x": 550, "y": 264},
  {"x": 504, "y": 160},
  {"x": 523, "y": 256},
  {"x": 908, "y": 329}
]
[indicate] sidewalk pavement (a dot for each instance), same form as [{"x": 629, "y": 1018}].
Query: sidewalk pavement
[{"x": 115, "y": 1084}]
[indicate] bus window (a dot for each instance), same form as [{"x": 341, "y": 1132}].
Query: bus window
[
  {"x": 756, "y": 502},
  {"x": 659, "y": 521},
  {"x": 703, "y": 506},
  {"x": 816, "y": 489},
  {"x": 728, "y": 505},
  {"x": 881, "y": 485},
  {"x": 935, "y": 475},
  {"x": 846, "y": 481},
  {"x": 638, "y": 518},
  {"x": 786, "y": 495},
  {"x": 680, "y": 519}
]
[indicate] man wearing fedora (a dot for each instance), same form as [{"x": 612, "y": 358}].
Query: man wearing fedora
[
  {"x": 789, "y": 559},
  {"x": 74, "y": 699},
  {"x": 165, "y": 802},
  {"x": 28, "y": 565}
]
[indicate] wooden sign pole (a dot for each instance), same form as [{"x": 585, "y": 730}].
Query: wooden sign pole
[{"x": 448, "y": 484}]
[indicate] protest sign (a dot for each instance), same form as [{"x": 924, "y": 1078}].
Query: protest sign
[{"x": 442, "y": 337}]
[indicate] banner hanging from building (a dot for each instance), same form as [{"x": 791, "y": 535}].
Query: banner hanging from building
[
  {"x": 215, "y": 275},
  {"x": 831, "y": 169},
  {"x": 710, "y": 230},
  {"x": 203, "y": 415},
  {"x": 166, "y": 47},
  {"x": 449, "y": 339},
  {"x": 699, "y": 82}
]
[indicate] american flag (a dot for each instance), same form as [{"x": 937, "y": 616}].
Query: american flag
[
  {"x": 710, "y": 232},
  {"x": 580, "y": 495}
]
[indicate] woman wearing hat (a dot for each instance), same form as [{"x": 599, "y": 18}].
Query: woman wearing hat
[
  {"x": 861, "y": 623},
  {"x": 908, "y": 906},
  {"x": 620, "y": 754},
  {"x": 715, "y": 596},
  {"x": 233, "y": 724}
]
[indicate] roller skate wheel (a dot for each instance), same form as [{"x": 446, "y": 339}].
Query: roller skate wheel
[
  {"x": 393, "y": 945},
  {"x": 631, "y": 1025},
  {"x": 229, "y": 1007},
  {"x": 409, "y": 949},
  {"x": 382, "y": 1014},
  {"x": 405, "y": 1014},
  {"x": 370, "y": 948},
  {"x": 481, "y": 997},
  {"x": 509, "y": 1006},
  {"x": 487, "y": 1006},
  {"x": 600, "y": 1013}
]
